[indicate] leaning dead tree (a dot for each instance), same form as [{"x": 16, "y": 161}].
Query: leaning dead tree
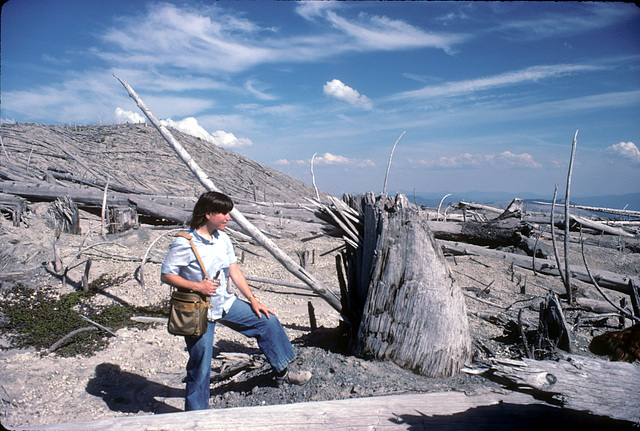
[
  {"x": 403, "y": 302},
  {"x": 255, "y": 233}
]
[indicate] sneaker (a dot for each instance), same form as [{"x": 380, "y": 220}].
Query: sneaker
[{"x": 294, "y": 378}]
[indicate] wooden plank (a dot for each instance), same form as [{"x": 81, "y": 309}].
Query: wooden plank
[{"x": 394, "y": 412}]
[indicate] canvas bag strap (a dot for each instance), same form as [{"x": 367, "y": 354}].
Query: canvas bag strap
[{"x": 195, "y": 251}]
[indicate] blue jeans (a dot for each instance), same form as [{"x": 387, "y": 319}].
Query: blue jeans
[{"x": 269, "y": 334}]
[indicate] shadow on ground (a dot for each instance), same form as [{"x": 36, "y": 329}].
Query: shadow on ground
[{"x": 127, "y": 392}]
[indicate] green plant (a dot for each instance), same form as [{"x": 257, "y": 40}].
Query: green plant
[{"x": 38, "y": 318}]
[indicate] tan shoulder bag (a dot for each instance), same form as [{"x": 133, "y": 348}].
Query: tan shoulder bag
[{"x": 188, "y": 309}]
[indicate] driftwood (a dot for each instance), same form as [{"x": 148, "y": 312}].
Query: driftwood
[
  {"x": 403, "y": 300},
  {"x": 578, "y": 383}
]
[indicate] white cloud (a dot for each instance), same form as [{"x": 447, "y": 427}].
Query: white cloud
[
  {"x": 588, "y": 16},
  {"x": 313, "y": 9},
  {"x": 328, "y": 159},
  {"x": 340, "y": 91},
  {"x": 383, "y": 33},
  {"x": 466, "y": 160},
  {"x": 251, "y": 85},
  {"x": 216, "y": 39},
  {"x": 123, "y": 116},
  {"x": 287, "y": 162},
  {"x": 220, "y": 138},
  {"x": 333, "y": 159},
  {"x": 626, "y": 150},
  {"x": 530, "y": 74},
  {"x": 523, "y": 160},
  {"x": 162, "y": 38}
]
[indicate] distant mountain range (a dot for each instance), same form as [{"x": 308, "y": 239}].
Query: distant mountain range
[{"x": 430, "y": 199}]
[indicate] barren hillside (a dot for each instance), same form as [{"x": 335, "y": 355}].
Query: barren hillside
[{"x": 136, "y": 156}]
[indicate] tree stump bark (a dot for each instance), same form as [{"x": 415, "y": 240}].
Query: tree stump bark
[
  {"x": 413, "y": 311},
  {"x": 122, "y": 218}
]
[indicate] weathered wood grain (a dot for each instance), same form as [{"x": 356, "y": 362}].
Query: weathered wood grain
[
  {"x": 444, "y": 410},
  {"x": 415, "y": 313},
  {"x": 580, "y": 383}
]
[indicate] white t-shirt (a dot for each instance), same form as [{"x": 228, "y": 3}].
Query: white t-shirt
[{"x": 217, "y": 255}]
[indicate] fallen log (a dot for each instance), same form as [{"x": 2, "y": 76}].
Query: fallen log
[
  {"x": 596, "y": 306},
  {"x": 170, "y": 208},
  {"x": 58, "y": 343},
  {"x": 614, "y": 211},
  {"x": 503, "y": 231},
  {"x": 286, "y": 224},
  {"x": 601, "y": 227},
  {"x": 608, "y": 279},
  {"x": 277, "y": 282},
  {"x": 578, "y": 383},
  {"x": 18, "y": 275},
  {"x": 44, "y": 191},
  {"x": 440, "y": 410},
  {"x": 97, "y": 183},
  {"x": 495, "y": 233},
  {"x": 475, "y": 206}
]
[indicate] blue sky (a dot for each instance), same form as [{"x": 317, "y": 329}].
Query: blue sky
[{"x": 488, "y": 95}]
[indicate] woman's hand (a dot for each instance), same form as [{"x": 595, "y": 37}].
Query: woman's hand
[
  {"x": 260, "y": 308},
  {"x": 208, "y": 287},
  {"x": 241, "y": 283}
]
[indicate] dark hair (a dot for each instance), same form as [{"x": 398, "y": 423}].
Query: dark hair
[{"x": 209, "y": 202}]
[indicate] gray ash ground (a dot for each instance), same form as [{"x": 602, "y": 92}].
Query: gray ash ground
[{"x": 336, "y": 375}]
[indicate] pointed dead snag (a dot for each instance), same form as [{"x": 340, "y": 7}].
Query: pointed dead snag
[
  {"x": 237, "y": 216},
  {"x": 406, "y": 306}
]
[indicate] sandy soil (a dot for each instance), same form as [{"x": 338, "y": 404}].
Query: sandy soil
[{"x": 141, "y": 371}]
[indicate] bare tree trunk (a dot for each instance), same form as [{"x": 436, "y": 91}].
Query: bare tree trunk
[{"x": 414, "y": 313}]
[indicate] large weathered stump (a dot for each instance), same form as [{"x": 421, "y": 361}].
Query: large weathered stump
[{"x": 413, "y": 311}]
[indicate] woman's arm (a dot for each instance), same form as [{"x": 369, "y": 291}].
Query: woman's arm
[
  {"x": 241, "y": 283},
  {"x": 206, "y": 287}
]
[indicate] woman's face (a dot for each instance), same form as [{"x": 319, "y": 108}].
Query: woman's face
[{"x": 217, "y": 221}]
